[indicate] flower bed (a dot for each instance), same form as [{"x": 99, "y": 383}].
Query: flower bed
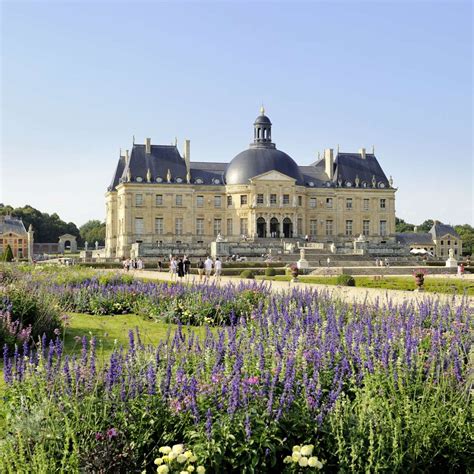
[{"x": 360, "y": 388}]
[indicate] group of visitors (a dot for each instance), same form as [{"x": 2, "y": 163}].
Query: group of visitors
[
  {"x": 133, "y": 264},
  {"x": 382, "y": 262},
  {"x": 461, "y": 270},
  {"x": 179, "y": 267},
  {"x": 205, "y": 268}
]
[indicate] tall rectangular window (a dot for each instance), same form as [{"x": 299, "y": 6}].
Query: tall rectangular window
[
  {"x": 217, "y": 201},
  {"x": 230, "y": 226},
  {"x": 300, "y": 200},
  {"x": 259, "y": 198},
  {"x": 159, "y": 225},
  {"x": 329, "y": 227},
  {"x": 138, "y": 199},
  {"x": 366, "y": 204},
  {"x": 179, "y": 199},
  {"x": 383, "y": 203},
  {"x": 349, "y": 227},
  {"x": 178, "y": 226},
  {"x": 199, "y": 226},
  {"x": 312, "y": 202},
  {"x": 243, "y": 199},
  {"x": 383, "y": 227},
  {"x": 366, "y": 228},
  {"x": 229, "y": 201},
  {"x": 217, "y": 226},
  {"x": 349, "y": 203},
  {"x": 159, "y": 200},
  {"x": 244, "y": 226},
  {"x": 299, "y": 226},
  {"x": 199, "y": 201},
  {"x": 286, "y": 199},
  {"x": 313, "y": 227},
  {"x": 139, "y": 225},
  {"x": 273, "y": 199},
  {"x": 329, "y": 203}
]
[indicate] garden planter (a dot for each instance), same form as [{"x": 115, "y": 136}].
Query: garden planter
[{"x": 419, "y": 281}]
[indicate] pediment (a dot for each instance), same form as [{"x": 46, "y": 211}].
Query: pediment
[{"x": 273, "y": 176}]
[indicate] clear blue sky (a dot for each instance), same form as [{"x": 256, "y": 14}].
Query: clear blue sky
[{"x": 79, "y": 79}]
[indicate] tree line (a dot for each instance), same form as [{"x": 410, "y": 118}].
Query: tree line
[{"x": 48, "y": 227}]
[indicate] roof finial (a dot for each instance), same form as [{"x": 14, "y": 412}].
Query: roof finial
[
  {"x": 175, "y": 141},
  {"x": 338, "y": 148},
  {"x": 373, "y": 149},
  {"x": 133, "y": 139},
  {"x": 262, "y": 110}
]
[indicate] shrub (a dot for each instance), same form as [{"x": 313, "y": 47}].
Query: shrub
[
  {"x": 270, "y": 272},
  {"x": 345, "y": 280},
  {"x": 247, "y": 274},
  {"x": 7, "y": 254}
]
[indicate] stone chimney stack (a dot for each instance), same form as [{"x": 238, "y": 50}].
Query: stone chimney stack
[
  {"x": 127, "y": 157},
  {"x": 362, "y": 153},
  {"x": 187, "y": 155},
  {"x": 148, "y": 146},
  {"x": 329, "y": 162}
]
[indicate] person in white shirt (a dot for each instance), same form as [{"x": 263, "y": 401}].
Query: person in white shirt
[
  {"x": 208, "y": 267},
  {"x": 173, "y": 268},
  {"x": 217, "y": 269}
]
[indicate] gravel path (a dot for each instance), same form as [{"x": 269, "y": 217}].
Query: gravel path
[{"x": 344, "y": 293}]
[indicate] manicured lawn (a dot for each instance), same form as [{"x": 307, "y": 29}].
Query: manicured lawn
[
  {"x": 113, "y": 330},
  {"x": 434, "y": 285}
]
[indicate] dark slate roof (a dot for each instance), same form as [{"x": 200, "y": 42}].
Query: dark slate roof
[
  {"x": 118, "y": 173},
  {"x": 315, "y": 173},
  {"x": 258, "y": 160},
  {"x": 350, "y": 165},
  {"x": 414, "y": 238},
  {"x": 207, "y": 171},
  {"x": 263, "y": 119},
  {"x": 439, "y": 230},
  {"x": 11, "y": 224}
]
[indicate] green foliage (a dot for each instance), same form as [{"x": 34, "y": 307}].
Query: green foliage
[
  {"x": 247, "y": 274},
  {"x": 466, "y": 232},
  {"x": 269, "y": 272},
  {"x": 426, "y": 225},
  {"x": 345, "y": 280},
  {"x": 93, "y": 231},
  {"x": 7, "y": 254},
  {"x": 402, "y": 226},
  {"x": 47, "y": 227}
]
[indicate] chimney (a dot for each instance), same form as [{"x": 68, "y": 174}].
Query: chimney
[
  {"x": 329, "y": 162},
  {"x": 362, "y": 153},
  {"x": 127, "y": 158},
  {"x": 148, "y": 146},
  {"x": 187, "y": 155}
]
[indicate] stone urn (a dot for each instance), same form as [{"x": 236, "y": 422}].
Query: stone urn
[
  {"x": 294, "y": 272},
  {"x": 419, "y": 281}
]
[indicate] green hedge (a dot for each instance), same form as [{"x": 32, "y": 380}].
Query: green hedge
[
  {"x": 345, "y": 280},
  {"x": 248, "y": 274}
]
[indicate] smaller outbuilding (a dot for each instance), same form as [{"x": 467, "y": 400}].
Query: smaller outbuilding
[{"x": 13, "y": 233}]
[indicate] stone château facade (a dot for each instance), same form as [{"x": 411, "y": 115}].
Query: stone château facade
[{"x": 159, "y": 197}]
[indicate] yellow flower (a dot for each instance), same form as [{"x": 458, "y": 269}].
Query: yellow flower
[
  {"x": 193, "y": 458},
  {"x": 166, "y": 458},
  {"x": 288, "y": 459},
  {"x": 296, "y": 456},
  {"x": 190, "y": 468},
  {"x": 200, "y": 470},
  {"x": 303, "y": 462},
  {"x": 172, "y": 456},
  {"x": 315, "y": 462},
  {"x": 181, "y": 458},
  {"x": 296, "y": 449},
  {"x": 183, "y": 472},
  {"x": 307, "y": 450},
  {"x": 163, "y": 469},
  {"x": 177, "y": 449},
  {"x": 164, "y": 449},
  {"x": 188, "y": 453},
  {"x": 158, "y": 461}
]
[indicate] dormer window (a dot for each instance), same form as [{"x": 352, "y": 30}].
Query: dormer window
[
  {"x": 159, "y": 180},
  {"x": 348, "y": 184},
  {"x": 311, "y": 184},
  {"x": 216, "y": 181},
  {"x": 179, "y": 180},
  {"x": 139, "y": 179},
  {"x": 198, "y": 181}
]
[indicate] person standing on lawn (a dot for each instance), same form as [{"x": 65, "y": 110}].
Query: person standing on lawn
[
  {"x": 208, "y": 267},
  {"x": 180, "y": 268},
  {"x": 187, "y": 266},
  {"x": 200, "y": 269},
  {"x": 173, "y": 268},
  {"x": 217, "y": 269}
]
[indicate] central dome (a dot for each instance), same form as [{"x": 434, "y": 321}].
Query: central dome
[
  {"x": 261, "y": 157},
  {"x": 259, "y": 160}
]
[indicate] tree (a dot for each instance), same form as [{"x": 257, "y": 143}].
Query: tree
[
  {"x": 7, "y": 254},
  {"x": 426, "y": 226},
  {"x": 402, "y": 226},
  {"x": 93, "y": 231},
  {"x": 466, "y": 232}
]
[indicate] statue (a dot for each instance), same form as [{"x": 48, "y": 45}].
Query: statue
[
  {"x": 333, "y": 248},
  {"x": 391, "y": 181},
  {"x": 451, "y": 253},
  {"x": 219, "y": 237},
  {"x": 374, "y": 183},
  {"x": 129, "y": 175},
  {"x": 302, "y": 253},
  {"x": 96, "y": 245},
  {"x": 451, "y": 262},
  {"x": 168, "y": 176},
  {"x": 357, "y": 180},
  {"x": 86, "y": 245},
  {"x": 188, "y": 177},
  {"x": 148, "y": 176}
]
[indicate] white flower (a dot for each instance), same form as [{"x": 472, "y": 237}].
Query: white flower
[
  {"x": 181, "y": 458},
  {"x": 177, "y": 449},
  {"x": 200, "y": 470},
  {"x": 164, "y": 449},
  {"x": 158, "y": 461},
  {"x": 190, "y": 468},
  {"x": 296, "y": 449},
  {"x": 307, "y": 450},
  {"x": 188, "y": 453},
  {"x": 315, "y": 462},
  {"x": 288, "y": 460},
  {"x": 163, "y": 469},
  {"x": 296, "y": 456},
  {"x": 303, "y": 462}
]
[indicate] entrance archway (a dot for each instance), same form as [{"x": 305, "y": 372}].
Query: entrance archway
[
  {"x": 67, "y": 245},
  {"x": 261, "y": 227},
  {"x": 274, "y": 227},
  {"x": 287, "y": 228}
]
